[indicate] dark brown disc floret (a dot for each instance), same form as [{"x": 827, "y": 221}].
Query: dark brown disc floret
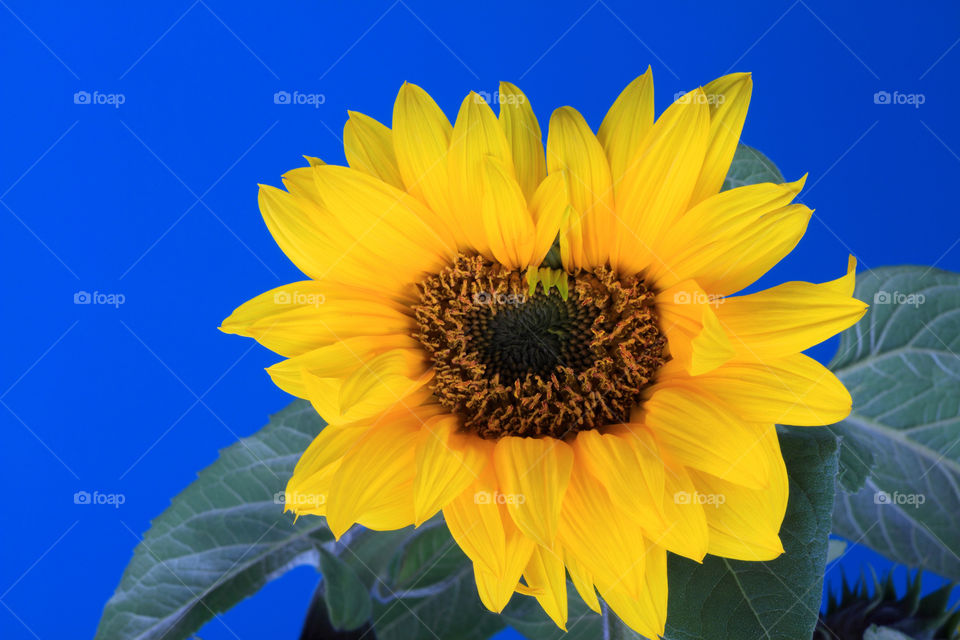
[{"x": 511, "y": 361}]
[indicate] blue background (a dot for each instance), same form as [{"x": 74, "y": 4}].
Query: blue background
[{"x": 156, "y": 200}]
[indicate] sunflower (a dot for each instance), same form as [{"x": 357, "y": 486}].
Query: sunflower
[{"x": 544, "y": 344}]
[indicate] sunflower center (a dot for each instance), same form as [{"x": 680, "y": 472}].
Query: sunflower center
[
  {"x": 515, "y": 336},
  {"x": 511, "y": 360}
]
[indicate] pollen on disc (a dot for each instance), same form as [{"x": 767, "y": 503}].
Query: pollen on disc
[{"x": 511, "y": 361}]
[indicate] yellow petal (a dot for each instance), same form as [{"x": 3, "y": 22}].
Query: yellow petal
[
  {"x": 686, "y": 533},
  {"x": 325, "y": 394},
  {"x": 299, "y": 227},
  {"x": 378, "y": 496},
  {"x": 309, "y": 485},
  {"x": 659, "y": 181},
  {"x": 474, "y": 519},
  {"x": 698, "y": 431},
  {"x": 731, "y": 239},
  {"x": 308, "y": 496},
  {"x": 421, "y": 135},
  {"x": 386, "y": 220},
  {"x": 484, "y": 530},
  {"x": 476, "y": 135},
  {"x": 324, "y": 245},
  {"x": 523, "y": 134},
  {"x": 582, "y": 581},
  {"x": 302, "y": 316},
  {"x": 844, "y": 285},
  {"x": 547, "y": 579},
  {"x": 533, "y": 474},
  {"x": 728, "y": 98},
  {"x": 696, "y": 338},
  {"x": 789, "y": 318},
  {"x": 550, "y": 208},
  {"x": 508, "y": 225},
  {"x": 495, "y": 592},
  {"x": 368, "y": 146},
  {"x": 299, "y": 182},
  {"x": 447, "y": 463},
  {"x": 336, "y": 360},
  {"x": 794, "y": 389},
  {"x": 314, "y": 472},
  {"x": 630, "y": 468},
  {"x": 744, "y": 523},
  {"x": 605, "y": 543},
  {"x": 647, "y": 614},
  {"x": 384, "y": 381},
  {"x": 573, "y": 149},
  {"x": 626, "y": 125}
]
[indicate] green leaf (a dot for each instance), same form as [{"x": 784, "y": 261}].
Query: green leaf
[
  {"x": 900, "y": 463},
  {"x": 453, "y": 612},
  {"x": 347, "y": 599},
  {"x": 777, "y": 600},
  {"x": 749, "y": 166},
  {"x": 425, "y": 561},
  {"x": 221, "y": 539},
  {"x": 317, "y": 622},
  {"x": 422, "y": 584}
]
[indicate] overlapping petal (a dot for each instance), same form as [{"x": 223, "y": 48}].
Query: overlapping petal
[
  {"x": 574, "y": 151},
  {"x": 729, "y": 240},
  {"x": 791, "y": 317},
  {"x": 368, "y": 146},
  {"x": 659, "y": 180},
  {"x": 533, "y": 475},
  {"x": 695, "y": 469},
  {"x": 522, "y": 130},
  {"x": 302, "y": 316}
]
